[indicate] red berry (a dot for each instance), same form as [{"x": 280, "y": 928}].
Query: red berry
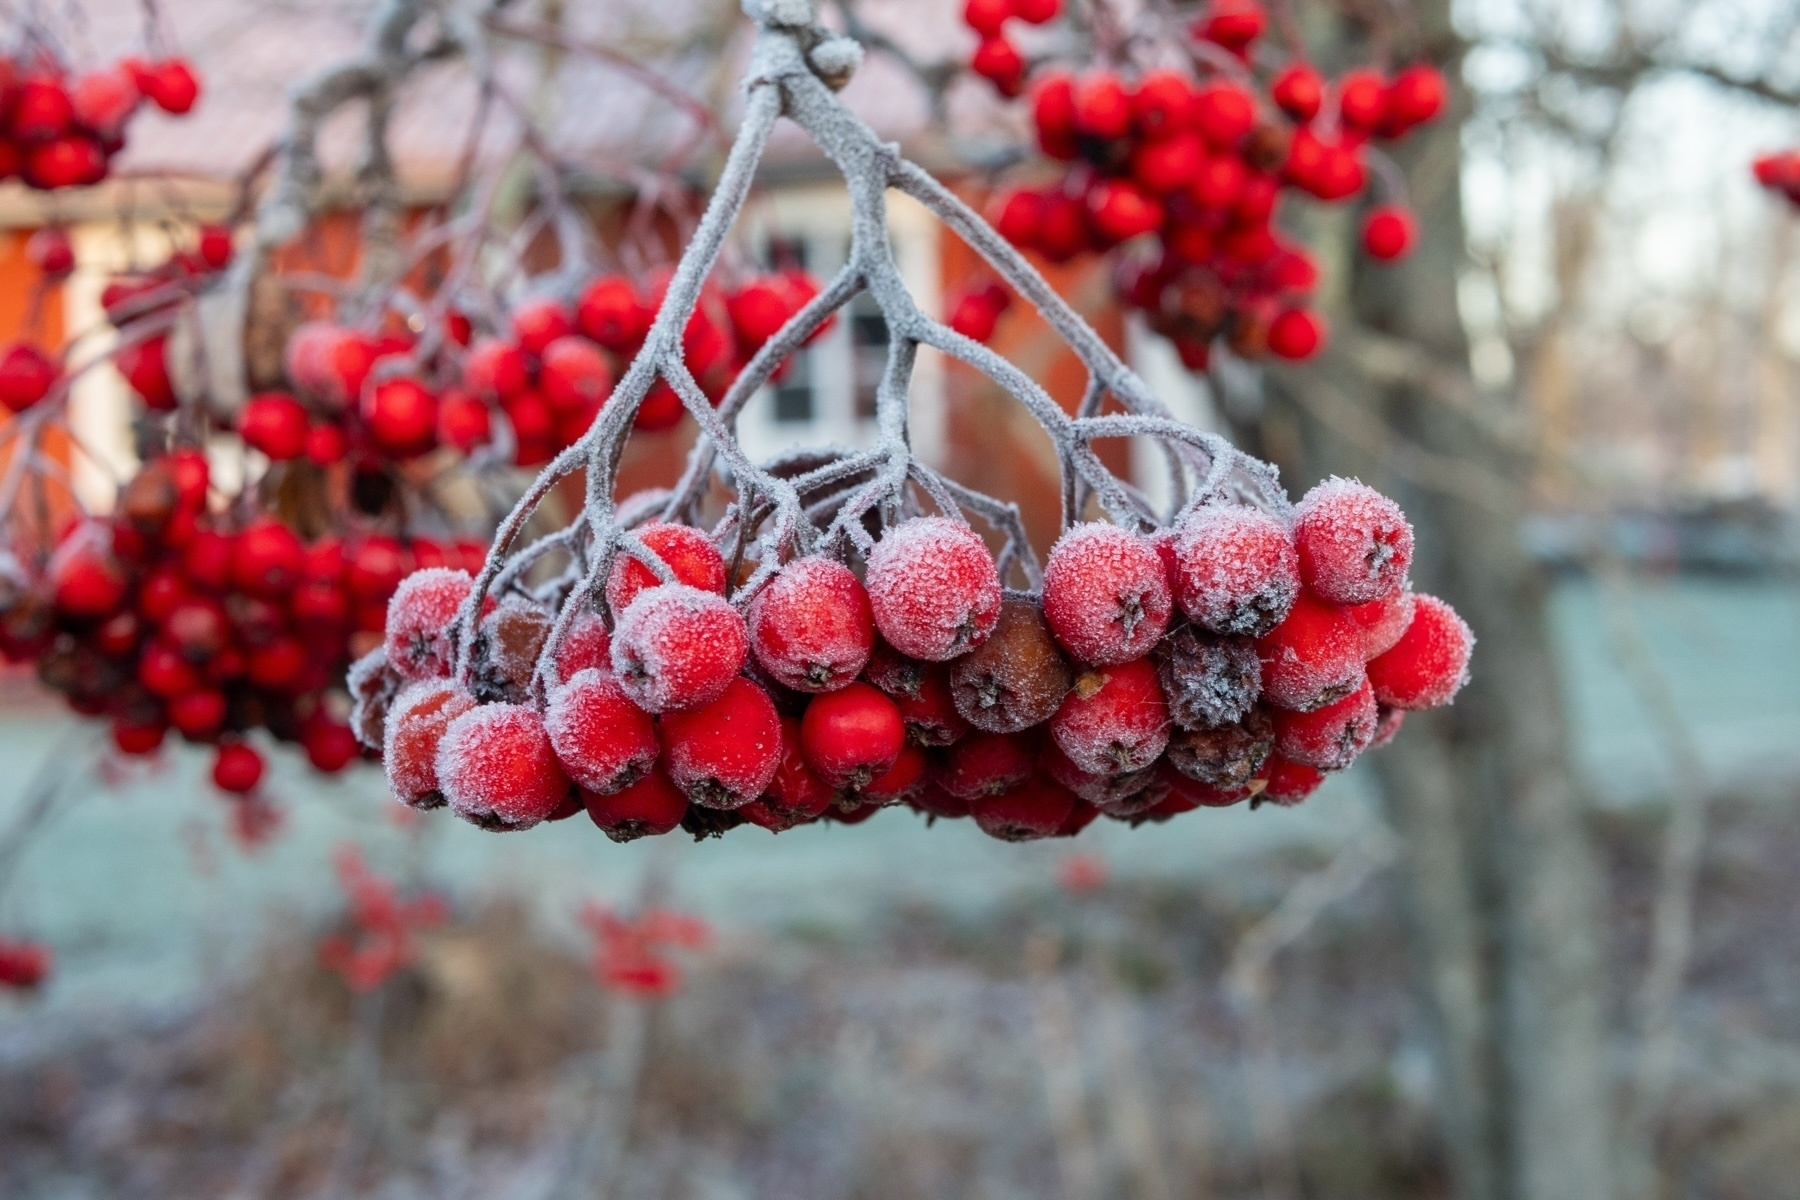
[
  {"x": 1036, "y": 12},
  {"x": 795, "y": 793},
  {"x": 1162, "y": 105},
  {"x": 1168, "y": 165},
  {"x": 851, "y": 736},
  {"x": 976, "y": 314},
  {"x": 464, "y": 422},
  {"x": 1417, "y": 95},
  {"x": 237, "y": 768},
  {"x": 930, "y": 710},
  {"x": 1430, "y": 662},
  {"x": 171, "y": 85},
  {"x": 1115, "y": 721},
  {"x": 1036, "y": 809},
  {"x": 1184, "y": 794},
  {"x": 325, "y": 444},
  {"x": 496, "y": 369},
  {"x": 612, "y": 313},
  {"x": 1313, "y": 657},
  {"x": 164, "y": 672},
  {"x": 51, "y": 252},
  {"x": 687, "y": 551},
  {"x": 757, "y": 312},
  {"x": 1383, "y": 621},
  {"x": 901, "y": 780},
  {"x": 1018, "y": 215},
  {"x": 537, "y": 324},
  {"x": 1355, "y": 544},
  {"x": 1296, "y": 333},
  {"x": 26, "y": 376},
  {"x": 1329, "y": 738},
  {"x": 998, "y": 61},
  {"x": 275, "y": 424},
  {"x": 102, "y": 101},
  {"x": 650, "y": 807},
  {"x": 604, "y": 741},
  {"x": 1362, "y": 99},
  {"x": 812, "y": 627},
  {"x": 574, "y": 375},
  {"x": 266, "y": 559},
  {"x": 1053, "y": 112},
  {"x": 1289, "y": 782},
  {"x": 1223, "y": 113},
  {"x": 374, "y": 567},
  {"x": 197, "y": 715},
  {"x": 421, "y": 619},
  {"x": 66, "y": 162},
  {"x": 86, "y": 580},
  {"x": 933, "y": 801},
  {"x": 933, "y": 588},
  {"x": 330, "y": 745},
  {"x": 1106, "y": 594},
  {"x": 588, "y": 643},
  {"x": 1387, "y": 725},
  {"x": 1102, "y": 106},
  {"x": 1236, "y": 569},
  {"x": 986, "y": 764},
  {"x": 416, "y": 721},
  {"x": 215, "y": 246},
  {"x": 1118, "y": 795},
  {"x": 1388, "y": 232},
  {"x": 1121, "y": 211},
  {"x": 986, "y": 16},
  {"x": 1300, "y": 91},
  {"x": 724, "y": 755},
  {"x": 1233, "y": 24},
  {"x": 41, "y": 110},
  {"x": 402, "y": 416},
  {"x": 678, "y": 648},
  {"x": 276, "y": 666},
  {"x": 138, "y": 736},
  {"x": 496, "y": 768}
]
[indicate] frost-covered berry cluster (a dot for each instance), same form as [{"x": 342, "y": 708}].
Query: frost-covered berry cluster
[{"x": 828, "y": 633}]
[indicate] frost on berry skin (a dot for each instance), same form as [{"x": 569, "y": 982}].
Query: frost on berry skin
[
  {"x": 851, "y": 736},
  {"x": 507, "y": 644},
  {"x": 1209, "y": 681},
  {"x": 1329, "y": 738},
  {"x": 496, "y": 768},
  {"x": 811, "y": 627},
  {"x": 933, "y": 587},
  {"x": 1227, "y": 757},
  {"x": 650, "y": 807},
  {"x": 1288, "y": 783},
  {"x": 1383, "y": 621},
  {"x": 895, "y": 673},
  {"x": 1106, "y": 594},
  {"x": 1037, "y": 808},
  {"x": 421, "y": 619},
  {"x": 373, "y": 685},
  {"x": 723, "y": 756},
  {"x": 1236, "y": 569},
  {"x": 929, "y": 710},
  {"x": 1355, "y": 544},
  {"x": 986, "y": 764},
  {"x": 678, "y": 648},
  {"x": 1430, "y": 662},
  {"x": 588, "y": 643},
  {"x": 795, "y": 794},
  {"x": 415, "y": 725},
  {"x": 603, "y": 740},
  {"x": 1015, "y": 679},
  {"x": 1115, "y": 721},
  {"x": 1312, "y": 658},
  {"x": 1387, "y": 725},
  {"x": 1117, "y": 795},
  {"x": 687, "y": 551}
]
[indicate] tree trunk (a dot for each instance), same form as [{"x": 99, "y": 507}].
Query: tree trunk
[{"x": 1502, "y": 878}]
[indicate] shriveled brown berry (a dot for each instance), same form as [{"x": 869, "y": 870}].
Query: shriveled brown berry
[
  {"x": 1015, "y": 679},
  {"x": 1209, "y": 680},
  {"x": 1227, "y": 757},
  {"x": 506, "y": 650}
]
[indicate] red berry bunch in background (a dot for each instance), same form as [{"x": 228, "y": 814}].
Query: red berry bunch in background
[
  {"x": 377, "y": 938},
  {"x": 997, "y": 59},
  {"x": 1182, "y": 173},
  {"x": 61, "y": 129},
  {"x": 632, "y": 954},
  {"x": 1780, "y": 173}
]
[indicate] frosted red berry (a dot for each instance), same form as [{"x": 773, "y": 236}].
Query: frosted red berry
[
  {"x": 795, "y": 793},
  {"x": 1118, "y": 795},
  {"x": 1115, "y": 720},
  {"x": 677, "y": 647},
  {"x": 1430, "y": 662},
  {"x": 1035, "y": 809},
  {"x": 1236, "y": 569},
  {"x": 1383, "y": 621},
  {"x": 497, "y": 769},
  {"x": 603, "y": 740},
  {"x": 688, "y": 552},
  {"x": 415, "y": 724},
  {"x": 812, "y": 627},
  {"x": 1106, "y": 594},
  {"x": 1355, "y": 544},
  {"x": 986, "y": 764},
  {"x": 587, "y": 643},
  {"x": 1288, "y": 782},
  {"x": 421, "y": 619},
  {"x": 648, "y": 808},
  {"x": 1312, "y": 658},
  {"x": 1329, "y": 738},
  {"x": 725, "y": 754},
  {"x": 1016, "y": 678},
  {"x": 851, "y": 736},
  {"x": 933, "y": 588}
]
